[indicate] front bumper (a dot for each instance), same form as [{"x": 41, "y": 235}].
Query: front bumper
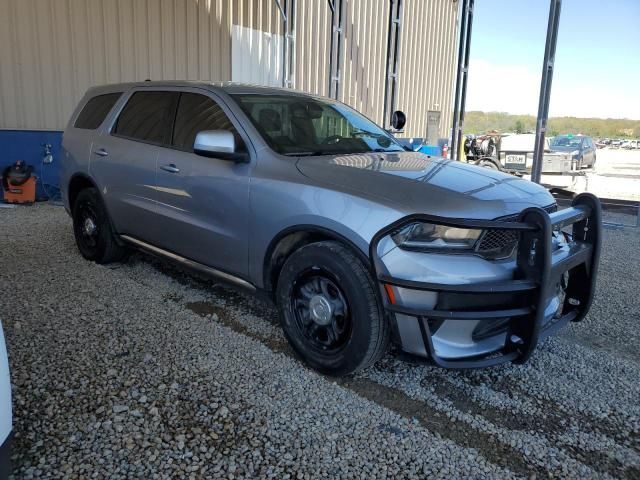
[{"x": 519, "y": 299}]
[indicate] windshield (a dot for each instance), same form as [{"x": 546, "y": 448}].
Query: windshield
[
  {"x": 564, "y": 141},
  {"x": 296, "y": 125}
]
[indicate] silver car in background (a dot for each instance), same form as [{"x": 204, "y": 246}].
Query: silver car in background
[{"x": 359, "y": 242}]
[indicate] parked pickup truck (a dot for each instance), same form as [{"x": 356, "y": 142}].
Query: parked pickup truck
[
  {"x": 516, "y": 156},
  {"x": 358, "y": 241}
]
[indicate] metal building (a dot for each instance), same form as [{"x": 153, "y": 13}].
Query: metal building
[{"x": 51, "y": 51}]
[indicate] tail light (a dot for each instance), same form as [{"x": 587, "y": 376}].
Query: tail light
[{"x": 445, "y": 151}]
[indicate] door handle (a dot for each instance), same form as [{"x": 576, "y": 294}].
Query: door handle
[
  {"x": 101, "y": 152},
  {"x": 171, "y": 168}
]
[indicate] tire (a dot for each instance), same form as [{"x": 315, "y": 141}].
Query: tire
[
  {"x": 488, "y": 164},
  {"x": 92, "y": 229},
  {"x": 345, "y": 332}
]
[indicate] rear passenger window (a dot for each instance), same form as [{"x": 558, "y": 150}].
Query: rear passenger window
[
  {"x": 195, "y": 114},
  {"x": 96, "y": 110},
  {"x": 148, "y": 117}
]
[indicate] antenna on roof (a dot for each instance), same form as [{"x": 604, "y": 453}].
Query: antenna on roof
[{"x": 147, "y": 80}]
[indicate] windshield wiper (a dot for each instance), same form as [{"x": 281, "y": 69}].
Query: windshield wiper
[
  {"x": 308, "y": 154},
  {"x": 363, "y": 133},
  {"x": 325, "y": 152}
]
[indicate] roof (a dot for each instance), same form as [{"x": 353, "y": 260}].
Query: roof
[{"x": 227, "y": 87}]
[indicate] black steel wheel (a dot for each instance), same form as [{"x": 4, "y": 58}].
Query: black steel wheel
[
  {"x": 88, "y": 226},
  {"x": 321, "y": 311},
  {"x": 330, "y": 310},
  {"x": 92, "y": 229}
]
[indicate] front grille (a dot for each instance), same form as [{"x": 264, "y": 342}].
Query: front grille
[{"x": 499, "y": 244}]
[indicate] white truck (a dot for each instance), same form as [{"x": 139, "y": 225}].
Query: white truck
[{"x": 516, "y": 156}]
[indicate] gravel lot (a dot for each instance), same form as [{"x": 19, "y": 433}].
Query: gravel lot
[
  {"x": 138, "y": 370},
  {"x": 616, "y": 175}
]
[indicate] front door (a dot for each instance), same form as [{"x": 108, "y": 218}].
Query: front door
[{"x": 204, "y": 202}]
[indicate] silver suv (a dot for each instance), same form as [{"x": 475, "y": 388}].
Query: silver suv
[{"x": 359, "y": 242}]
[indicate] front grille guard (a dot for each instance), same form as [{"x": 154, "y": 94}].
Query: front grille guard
[{"x": 537, "y": 274}]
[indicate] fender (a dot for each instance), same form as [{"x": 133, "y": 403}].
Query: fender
[{"x": 313, "y": 231}]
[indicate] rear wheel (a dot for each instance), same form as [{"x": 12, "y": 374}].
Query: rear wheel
[
  {"x": 329, "y": 309},
  {"x": 92, "y": 229}
]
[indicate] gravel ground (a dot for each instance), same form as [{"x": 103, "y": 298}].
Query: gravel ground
[
  {"x": 616, "y": 175},
  {"x": 138, "y": 370}
]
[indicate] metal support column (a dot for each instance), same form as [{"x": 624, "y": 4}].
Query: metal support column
[
  {"x": 393, "y": 60},
  {"x": 337, "y": 48},
  {"x": 464, "y": 47},
  {"x": 545, "y": 88},
  {"x": 288, "y": 14}
]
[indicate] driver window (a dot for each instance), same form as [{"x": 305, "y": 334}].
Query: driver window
[{"x": 197, "y": 113}]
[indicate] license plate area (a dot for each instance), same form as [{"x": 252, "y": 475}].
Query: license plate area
[{"x": 516, "y": 159}]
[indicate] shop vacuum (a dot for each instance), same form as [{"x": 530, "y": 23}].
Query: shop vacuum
[{"x": 19, "y": 183}]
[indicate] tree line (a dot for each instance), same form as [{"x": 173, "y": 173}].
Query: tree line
[{"x": 482, "y": 122}]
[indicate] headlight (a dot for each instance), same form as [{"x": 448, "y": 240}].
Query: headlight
[{"x": 428, "y": 236}]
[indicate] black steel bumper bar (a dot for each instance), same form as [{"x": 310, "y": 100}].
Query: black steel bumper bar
[{"x": 535, "y": 280}]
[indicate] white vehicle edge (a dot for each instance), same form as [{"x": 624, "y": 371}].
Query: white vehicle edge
[{"x": 5, "y": 411}]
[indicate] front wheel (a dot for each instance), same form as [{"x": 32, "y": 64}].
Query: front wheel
[
  {"x": 92, "y": 229},
  {"x": 329, "y": 309}
]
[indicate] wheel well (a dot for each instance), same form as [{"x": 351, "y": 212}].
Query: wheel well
[
  {"x": 77, "y": 184},
  {"x": 288, "y": 242}
]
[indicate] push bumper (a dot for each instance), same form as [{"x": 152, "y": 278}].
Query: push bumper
[{"x": 538, "y": 271}]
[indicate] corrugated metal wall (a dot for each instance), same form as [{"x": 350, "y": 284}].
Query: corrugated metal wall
[
  {"x": 363, "y": 65},
  {"x": 313, "y": 37},
  {"x": 51, "y": 51},
  {"x": 427, "y": 63}
]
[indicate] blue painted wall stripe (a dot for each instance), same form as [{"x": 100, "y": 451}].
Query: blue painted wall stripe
[{"x": 28, "y": 145}]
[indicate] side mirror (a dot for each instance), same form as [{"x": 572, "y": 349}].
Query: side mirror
[
  {"x": 398, "y": 119},
  {"x": 218, "y": 144}
]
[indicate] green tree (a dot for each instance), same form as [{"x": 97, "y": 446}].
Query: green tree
[
  {"x": 481, "y": 122},
  {"x": 519, "y": 127}
]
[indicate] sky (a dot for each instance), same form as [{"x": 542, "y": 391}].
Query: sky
[{"x": 597, "y": 67}]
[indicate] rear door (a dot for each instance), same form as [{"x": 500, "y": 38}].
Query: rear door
[
  {"x": 124, "y": 160},
  {"x": 204, "y": 202}
]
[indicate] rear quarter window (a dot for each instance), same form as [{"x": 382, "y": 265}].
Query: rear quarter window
[{"x": 96, "y": 110}]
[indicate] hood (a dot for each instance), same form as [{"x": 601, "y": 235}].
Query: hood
[
  {"x": 563, "y": 149},
  {"x": 417, "y": 183}
]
